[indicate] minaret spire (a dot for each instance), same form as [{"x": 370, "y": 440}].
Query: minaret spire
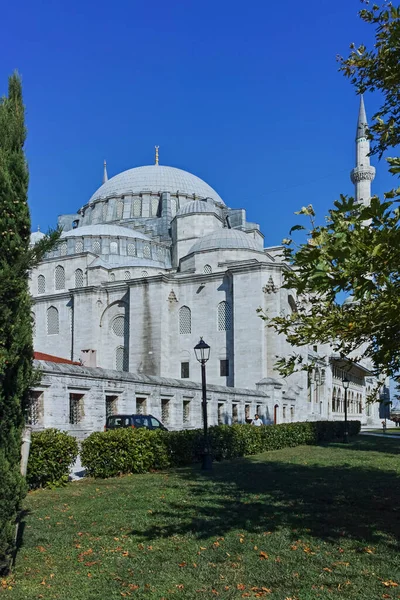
[
  {"x": 363, "y": 173},
  {"x": 156, "y": 148},
  {"x": 105, "y": 176}
]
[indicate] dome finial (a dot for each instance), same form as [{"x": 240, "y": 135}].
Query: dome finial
[
  {"x": 105, "y": 176},
  {"x": 156, "y": 148},
  {"x": 38, "y": 227}
]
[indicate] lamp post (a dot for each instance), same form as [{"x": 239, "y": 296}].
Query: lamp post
[
  {"x": 346, "y": 384},
  {"x": 202, "y": 352}
]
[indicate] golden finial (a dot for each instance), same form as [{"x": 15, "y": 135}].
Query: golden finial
[{"x": 156, "y": 147}]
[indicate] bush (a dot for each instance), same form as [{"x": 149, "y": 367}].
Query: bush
[
  {"x": 140, "y": 450},
  {"x": 51, "y": 454},
  {"x": 110, "y": 453}
]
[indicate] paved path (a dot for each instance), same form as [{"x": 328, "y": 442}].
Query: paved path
[{"x": 385, "y": 435}]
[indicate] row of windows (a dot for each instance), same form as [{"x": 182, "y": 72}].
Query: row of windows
[
  {"x": 223, "y": 369},
  {"x": 339, "y": 373},
  {"x": 59, "y": 280},
  {"x": 224, "y": 318},
  {"x": 354, "y": 401}
]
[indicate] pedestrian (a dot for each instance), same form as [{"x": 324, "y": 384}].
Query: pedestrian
[
  {"x": 384, "y": 426},
  {"x": 256, "y": 421}
]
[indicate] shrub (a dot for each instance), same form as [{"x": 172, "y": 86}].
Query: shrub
[
  {"x": 51, "y": 455},
  {"x": 110, "y": 453},
  {"x": 140, "y": 450}
]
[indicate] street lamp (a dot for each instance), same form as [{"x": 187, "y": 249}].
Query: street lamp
[
  {"x": 202, "y": 352},
  {"x": 346, "y": 384}
]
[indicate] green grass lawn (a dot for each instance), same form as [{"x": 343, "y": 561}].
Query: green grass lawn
[
  {"x": 300, "y": 523},
  {"x": 389, "y": 431}
]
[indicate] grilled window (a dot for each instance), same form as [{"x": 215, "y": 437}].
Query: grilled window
[
  {"x": 78, "y": 246},
  {"x": 224, "y": 368},
  {"x": 120, "y": 209},
  {"x": 154, "y": 206},
  {"x": 221, "y": 411},
  {"x": 144, "y": 273},
  {"x": 185, "y": 320},
  {"x": 224, "y": 316},
  {"x": 137, "y": 207},
  {"x": 184, "y": 370},
  {"x": 127, "y": 275},
  {"x": 111, "y": 405},
  {"x": 121, "y": 359},
  {"x": 141, "y": 406},
  {"x": 119, "y": 326},
  {"x": 35, "y": 402},
  {"x": 105, "y": 210},
  {"x": 75, "y": 408},
  {"x": 112, "y": 276},
  {"x": 207, "y": 269},
  {"x": 53, "y": 321},
  {"x": 41, "y": 284},
  {"x": 63, "y": 249},
  {"x": 186, "y": 412},
  {"x": 113, "y": 248},
  {"x": 59, "y": 278},
  {"x": 235, "y": 413},
  {"x": 96, "y": 247},
  {"x": 131, "y": 249},
  {"x": 146, "y": 251},
  {"x": 165, "y": 411},
  {"x": 78, "y": 278}
]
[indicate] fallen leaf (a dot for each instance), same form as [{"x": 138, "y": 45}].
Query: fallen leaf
[
  {"x": 182, "y": 564},
  {"x": 41, "y": 548},
  {"x": 241, "y": 586},
  {"x": 263, "y": 555},
  {"x": 390, "y": 583}
]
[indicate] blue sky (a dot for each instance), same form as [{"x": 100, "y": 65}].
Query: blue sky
[{"x": 245, "y": 95}]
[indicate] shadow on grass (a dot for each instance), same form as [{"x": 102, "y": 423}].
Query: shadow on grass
[
  {"x": 328, "y": 502},
  {"x": 373, "y": 444}
]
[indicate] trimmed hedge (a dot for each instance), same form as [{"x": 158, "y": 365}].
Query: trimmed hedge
[
  {"x": 51, "y": 455},
  {"x": 139, "y": 450}
]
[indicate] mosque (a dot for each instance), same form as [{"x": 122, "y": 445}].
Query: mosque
[{"x": 154, "y": 260}]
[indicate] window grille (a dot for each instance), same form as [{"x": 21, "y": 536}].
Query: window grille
[
  {"x": 292, "y": 413},
  {"x": 186, "y": 412},
  {"x": 154, "y": 206},
  {"x": 146, "y": 251},
  {"x": 96, "y": 247},
  {"x": 284, "y": 412},
  {"x": 185, "y": 320},
  {"x": 184, "y": 370},
  {"x": 121, "y": 359},
  {"x": 247, "y": 411},
  {"x": 137, "y": 207},
  {"x": 207, "y": 269},
  {"x": 144, "y": 273},
  {"x": 224, "y": 368},
  {"x": 105, "y": 210},
  {"x": 59, "y": 278},
  {"x": 131, "y": 249},
  {"x": 113, "y": 248},
  {"x": 78, "y": 278},
  {"x": 34, "y": 407},
  {"x": 224, "y": 316},
  {"x": 63, "y": 249},
  {"x": 235, "y": 413},
  {"x": 127, "y": 275},
  {"x": 165, "y": 411},
  {"x": 79, "y": 246},
  {"x": 119, "y": 326},
  {"x": 120, "y": 209},
  {"x": 53, "y": 324},
  {"x": 41, "y": 284},
  {"x": 141, "y": 406},
  {"x": 111, "y": 405},
  {"x": 112, "y": 276},
  {"x": 75, "y": 408},
  {"x": 220, "y": 413}
]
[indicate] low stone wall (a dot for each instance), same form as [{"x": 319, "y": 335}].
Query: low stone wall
[{"x": 75, "y": 399}]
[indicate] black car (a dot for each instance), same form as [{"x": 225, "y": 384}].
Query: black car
[{"x": 133, "y": 421}]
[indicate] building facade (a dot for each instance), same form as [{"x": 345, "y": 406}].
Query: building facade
[{"x": 154, "y": 260}]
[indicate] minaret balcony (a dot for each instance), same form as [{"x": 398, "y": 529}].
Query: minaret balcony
[{"x": 362, "y": 174}]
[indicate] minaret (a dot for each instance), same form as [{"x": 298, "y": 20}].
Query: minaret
[
  {"x": 363, "y": 173},
  {"x": 105, "y": 176}
]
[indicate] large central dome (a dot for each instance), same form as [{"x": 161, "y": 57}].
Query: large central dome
[{"x": 155, "y": 178}]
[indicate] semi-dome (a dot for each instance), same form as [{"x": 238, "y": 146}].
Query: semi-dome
[
  {"x": 36, "y": 236},
  {"x": 155, "y": 178},
  {"x": 226, "y": 239},
  {"x": 197, "y": 206},
  {"x": 104, "y": 230}
]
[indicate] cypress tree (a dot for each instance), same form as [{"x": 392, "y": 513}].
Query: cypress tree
[{"x": 16, "y": 349}]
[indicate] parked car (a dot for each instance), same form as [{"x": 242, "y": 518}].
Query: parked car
[{"x": 133, "y": 421}]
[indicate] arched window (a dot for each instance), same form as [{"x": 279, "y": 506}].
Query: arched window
[
  {"x": 78, "y": 246},
  {"x": 78, "y": 278},
  {"x": 146, "y": 251},
  {"x": 113, "y": 248},
  {"x": 185, "y": 320},
  {"x": 121, "y": 359},
  {"x": 224, "y": 316},
  {"x": 96, "y": 247},
  {"x": 53, "y": 323},
  {"x": 59, "y": 278},
  {"x": 292, "y": 304},
  {"x": 334, "y": 400},
  {"x": 207, "y": 269},
  {"x": 105, "y": 210},
  {"x": 144, "y": 273},
  {"x": 127, "y": 275},
  {"x": 118, "y": 326},
  {"x": 137, "y": 207},
  {"x": 131, "y": 249},
  {"x": 41, "y": 284},
  {"x": 154, "y": 206},
  {"x": 63, "y": 249},
  {"x": 120, "y": 209},
  {"x": 112, "y": 276}
]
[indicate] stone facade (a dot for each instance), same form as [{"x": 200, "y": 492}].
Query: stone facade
[{"x": 152, "y": 262}]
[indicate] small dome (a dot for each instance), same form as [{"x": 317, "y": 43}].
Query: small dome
[
  {"x": 155, "y": 178},
  {"x": 104, "y": 230},
  {"x": 197, "y": 206},
  {"x": 36, "y": 236},
  {"x": 226, "y": 239}
]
